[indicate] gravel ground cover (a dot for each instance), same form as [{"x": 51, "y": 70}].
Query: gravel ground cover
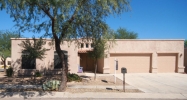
[{"x": 86, "y": 81}]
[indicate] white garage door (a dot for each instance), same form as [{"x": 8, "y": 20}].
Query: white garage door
[
  {"x": 135, "y": 63},
  {"x": 167, "y": 63}
]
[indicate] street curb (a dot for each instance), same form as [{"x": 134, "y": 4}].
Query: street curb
[{"x": 90, "y": 95}]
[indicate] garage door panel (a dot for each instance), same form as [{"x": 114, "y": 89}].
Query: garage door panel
[
  {"x": 167, "y": 63},
  {"x": 135, "y": 63}
]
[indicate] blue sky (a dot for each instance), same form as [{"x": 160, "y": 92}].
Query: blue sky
[{"x": 151, "y": 19}]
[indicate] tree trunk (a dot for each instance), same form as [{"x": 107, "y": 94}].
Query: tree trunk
[
  {"x": 63, "y": 83},
  {"x": 95, "y": 69},
  {"x": 4, "y": 62}
]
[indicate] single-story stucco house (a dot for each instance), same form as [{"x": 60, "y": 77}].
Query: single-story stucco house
[{"x": 137, "y": 55}]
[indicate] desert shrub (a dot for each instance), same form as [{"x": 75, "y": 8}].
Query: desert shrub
[
  {"x": 73, "y": 77},
  {"x": 51, "y": 85},
  {"x": 38, "y": 74},
  {"x": 9, "y": 72}
]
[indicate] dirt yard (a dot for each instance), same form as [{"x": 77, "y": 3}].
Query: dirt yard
[{"x": 86, "y": 81}]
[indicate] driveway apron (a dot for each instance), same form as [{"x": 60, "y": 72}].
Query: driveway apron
[{"x": 157, "y": 83}]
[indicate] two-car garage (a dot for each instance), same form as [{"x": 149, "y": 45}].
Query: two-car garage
[{"x": 142, "y": 62}]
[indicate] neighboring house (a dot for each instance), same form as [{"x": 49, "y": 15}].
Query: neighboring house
[
  {"x": 138, "y": 56},
  {"x": 8, "y": 63}
]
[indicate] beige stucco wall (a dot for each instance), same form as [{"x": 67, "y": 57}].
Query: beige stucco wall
[
  {"x": 100, "y": 65},
  {"x": 48, "y": 62},
  {"x": 153, "y": 47}
]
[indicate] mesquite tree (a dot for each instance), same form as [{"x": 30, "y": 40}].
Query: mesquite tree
[{"x": 63, "y": 19}]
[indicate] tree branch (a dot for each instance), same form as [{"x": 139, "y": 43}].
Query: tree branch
[
  {"x": 71, "y": 19},
  {"x": 44, "y": 9}
]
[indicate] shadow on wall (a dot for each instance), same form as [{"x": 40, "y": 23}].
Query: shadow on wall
[{"x": 48, "y": 69}]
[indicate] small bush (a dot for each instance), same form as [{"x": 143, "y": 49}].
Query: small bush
[
  {"x": 73, "y": 77},
  {"x": 9, "y": 72},
  {"x": 38, "y": 74}
]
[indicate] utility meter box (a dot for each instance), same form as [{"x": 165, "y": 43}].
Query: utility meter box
[{"x": 123, "y": 70}]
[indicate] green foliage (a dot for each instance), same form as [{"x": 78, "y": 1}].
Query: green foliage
[
  {"x": 51, "y": 85},
  {"x": 73, "y": 77},
  {"x": 33, "y": 48},
  {"x": 9, "y": 72},
  {"x": 38, "y": 74},
  {"x": 5, "y": 44},
  {"x": 62, "y": 19},
  {"x": 185, "y": 44},
  {"x": 101, "y": 43},
  {"x": 122, "y": 33}
]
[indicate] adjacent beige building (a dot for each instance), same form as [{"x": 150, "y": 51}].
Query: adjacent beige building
[
  {"x": 8, "y": 63},
  {"x": 138, "y": 56}
]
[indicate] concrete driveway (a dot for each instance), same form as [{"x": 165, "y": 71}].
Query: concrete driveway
[{"x": 157, "y": 83}]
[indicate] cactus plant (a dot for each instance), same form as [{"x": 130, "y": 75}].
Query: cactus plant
[{"x": 51, "y": 85}]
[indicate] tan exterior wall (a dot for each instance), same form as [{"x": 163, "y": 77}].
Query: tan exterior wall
[
  {"x": 146, "y": 50},
  {"x": 100, "y": 65},
  {"x": 154, "y": 47},
  {"x": 48, "y": 62}
]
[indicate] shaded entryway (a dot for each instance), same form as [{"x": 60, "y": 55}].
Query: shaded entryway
[{"x": 86, "y": 62}]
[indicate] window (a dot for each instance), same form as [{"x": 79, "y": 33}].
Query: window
[
  {"x": 9, "y": 62},
  {"x": 58, "y": 62},
  {"x": 86, "y": 45},
  {"x": 82, "y": 45},
  {"x": 27, "y": 63}
]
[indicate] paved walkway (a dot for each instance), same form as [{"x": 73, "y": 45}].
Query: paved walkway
[{"x": 157, "y": 83}]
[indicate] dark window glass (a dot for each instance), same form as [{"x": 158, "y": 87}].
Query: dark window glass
[
  {"x": 86, "y": 45},
  {"x": 28, "y": 63},
  {"x": 58, "y": 62},
  {"x": 82, "y": 45}
]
